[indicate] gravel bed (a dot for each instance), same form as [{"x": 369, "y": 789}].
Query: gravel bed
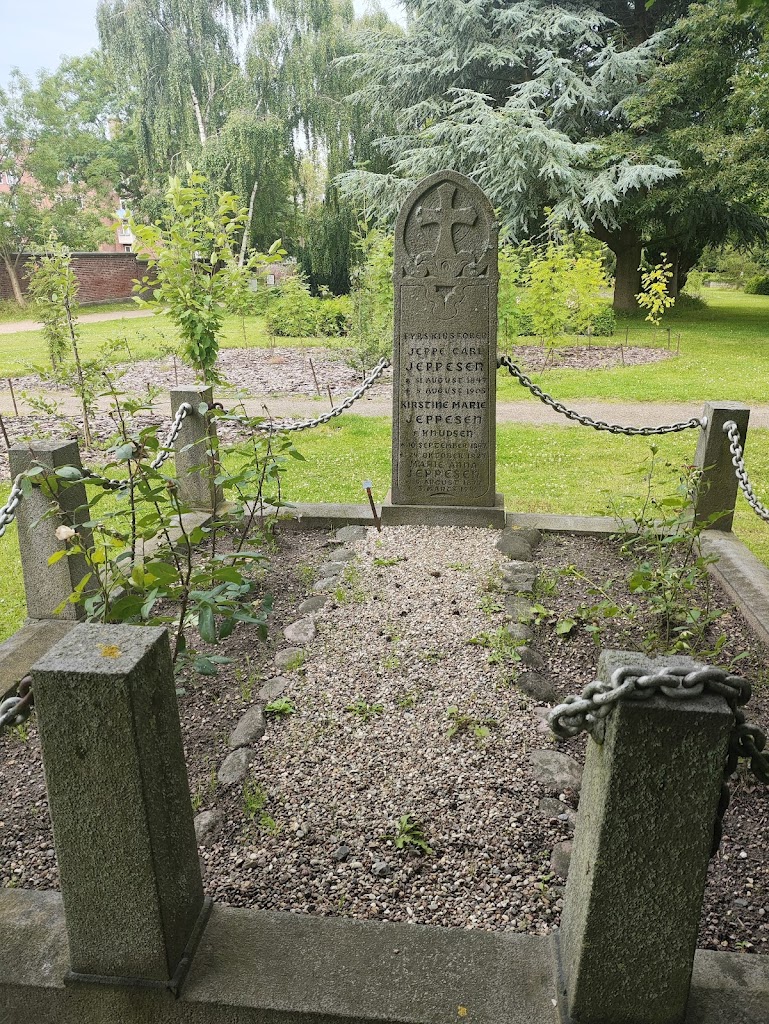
[{"x": 310, "y": 829}]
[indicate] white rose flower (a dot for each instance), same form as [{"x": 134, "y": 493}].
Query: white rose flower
[{"x": 64, "y": 533}]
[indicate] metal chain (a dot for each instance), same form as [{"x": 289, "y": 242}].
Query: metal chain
[
  {"x": 16, "y": 710},
  {"x": 738, "y": 461},
  {"x": 111, "y": 484},
  {"x": 274, "y": 428},
  {"x": 587, "y": 713},
  {"x": 8, "y": 511},
  {"x": 588, "y": 421}
]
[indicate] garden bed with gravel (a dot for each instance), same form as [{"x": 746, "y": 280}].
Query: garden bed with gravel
[{"x": 393, "y": 779}]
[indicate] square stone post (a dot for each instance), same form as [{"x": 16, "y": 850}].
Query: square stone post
[
  {"x": 197, "y": 462},
  {"x": 637, "y": 874},
  {"x": 719, "y": 484},
  {"x": 48, "y": 586},
  {"x": 120, "y": 805}
]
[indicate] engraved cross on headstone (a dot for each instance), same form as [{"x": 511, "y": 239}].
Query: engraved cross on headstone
[{"x": 445, "y": 216}]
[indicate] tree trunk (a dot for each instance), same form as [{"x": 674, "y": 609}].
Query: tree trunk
[
  {"x": 674, "y": 284},
  {"x": 627, "y": 280},
  {"x": 198, "y": 116},
  {"x": 247, "y": 226},
  {"x": 13, "y": 277}
]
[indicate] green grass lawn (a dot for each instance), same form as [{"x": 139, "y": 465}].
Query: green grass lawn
[
  {"x": 141, "y": 338},
  {"x": 724, "y": 355},
  {"x": 539, "y": 469}
]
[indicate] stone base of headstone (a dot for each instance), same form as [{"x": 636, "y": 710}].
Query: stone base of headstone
[{"x": 444, "y": 515}]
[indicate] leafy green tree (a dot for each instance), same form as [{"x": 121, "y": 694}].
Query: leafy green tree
[
  {"x": 705, "y": 106},
  {"x": 60, "y": 162},
  {"x": 196, "y": 255},
  {"x": 54, "y": 287},
  {"x": 525, "y": 98}
]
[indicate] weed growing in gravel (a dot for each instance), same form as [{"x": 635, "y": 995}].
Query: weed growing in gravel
[
  {"x": 490, "y": 605},
  {"x": 20, "y": 732},
  {"x": 204, "y": 791},
  {"x": 364, "y": 710},
  {"x": 307, "y": 574},
  {"x": 390, "y": 662},
  {"x": 504, "y": 649},
  {"x": 546, "y": 584},
  {"x": 351, "y": 590},
  {"x": 295, "y": 663},
  {"x": 406, "y": 701},
  {"x": 255, "y": 800},
  {"x": 410, "y": 835},
  {"x": 246, "y": 680},
  {"x": 668, "y": 563},
  {"x": 281, "y": 707},
  {"x": 459, "y": 566},
  {"x": 387, "y": 562},
  {"x": 460, "y": 723},
  {"x": 432, "y": 656}
]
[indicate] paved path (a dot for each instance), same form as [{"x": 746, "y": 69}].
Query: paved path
[
  {"x": 22, "y": 326},
  {"x": 631, "y": 414}
]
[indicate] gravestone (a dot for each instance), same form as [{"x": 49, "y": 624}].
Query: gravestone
[{"x": 445, "y": 357}]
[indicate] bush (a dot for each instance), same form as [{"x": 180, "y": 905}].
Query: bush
[
  {"x": 296, "y": 314},
  {"x": 604, "y": 322},
  {"x": 525, "y": 326},
  {"x": 758, "y": 285},
  {"x": 333, "y": 317}
]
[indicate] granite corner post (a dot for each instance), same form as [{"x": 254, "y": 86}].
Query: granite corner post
[
  {"x": 120, "y": 805},
  {"x": 718, "y": 490},
  {"x": 196, "y": 452},
  {"x": 641, "y": 850},
  {"x": 48, "y": 586}
]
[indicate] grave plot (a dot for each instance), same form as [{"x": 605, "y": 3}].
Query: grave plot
[{"x": 384, "y": 736}]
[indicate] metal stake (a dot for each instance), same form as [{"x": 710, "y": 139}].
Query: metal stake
[
  {"x": 367, "y": 488},
  {"x": 13, "y": 398}
]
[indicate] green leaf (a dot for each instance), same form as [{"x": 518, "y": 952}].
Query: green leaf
[
  {"x": 207, "y": 624},
  {"x": 68, "y": 473},
  {"x": 205, "y": 666}
]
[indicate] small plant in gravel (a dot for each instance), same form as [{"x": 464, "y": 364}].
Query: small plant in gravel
[
  {"x": 281, "y": 707},
  {"x": 459, "y": 566},
  {"x": 669, "y": 566},
  {"x": 295, "y": 663},
  {"x": 255, "y": 800},
  {"x": 479, "y": 728},
  {"x": 391, "y": 662},
  {"x": 364, "y": 710},
  {"x": 546, "y": 584},
  {"x": 387, "y": 562},
  {"x": 350, "y": 589},
  {"x": 591, "y": 616},
  {"x": 503, "y": 647},
  {"x": 205, "y": 790},
  {"x": 410, "y": 835},
  {"x": 307, "y": 574},
  {"x": 246, "y": 680},
  {"x": 490, "y": 605},
  {"x": 406, "y": 701}
]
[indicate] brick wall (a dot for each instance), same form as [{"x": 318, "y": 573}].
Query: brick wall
[{"x": 103, "y": 276}]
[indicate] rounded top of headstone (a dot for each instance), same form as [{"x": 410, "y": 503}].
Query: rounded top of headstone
[{"x": 446, "y": 229}]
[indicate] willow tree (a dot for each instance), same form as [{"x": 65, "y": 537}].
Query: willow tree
[
  {"x": 525, "y": 97},
  {"x": 296, "y": 66},
  {"x": 180, "y": 59}
]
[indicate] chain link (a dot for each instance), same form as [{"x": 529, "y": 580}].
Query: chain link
[
  {"x": 8, "y": 511},
  {"x": 274, "y": 428},
  {"x": 588, "y": 421},
  {"x": 587, "y": 713},
  {"x": 16, "y": 710},
  {"x": 111, "y": 484},
  {"x": 738, "y": 461}
]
